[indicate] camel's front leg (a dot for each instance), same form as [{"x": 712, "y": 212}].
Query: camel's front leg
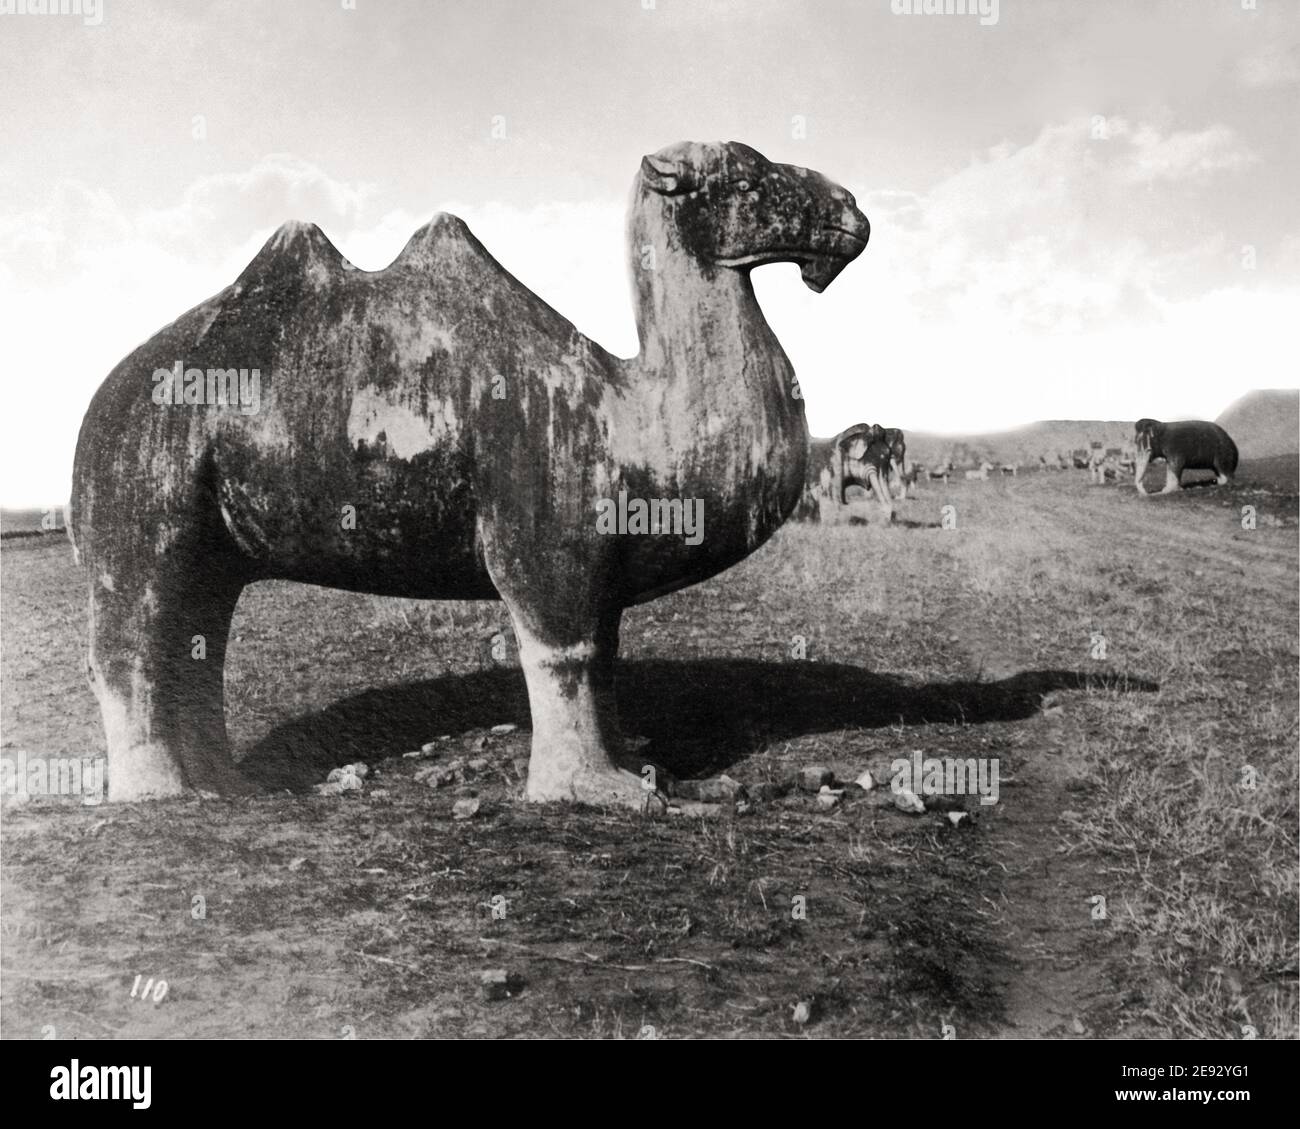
[{"x": 576, "y": 740}]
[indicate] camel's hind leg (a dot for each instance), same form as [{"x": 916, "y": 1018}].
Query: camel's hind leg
[
  {"x": 157, "y": 664},
  {"x": 1172, "y": 476}
]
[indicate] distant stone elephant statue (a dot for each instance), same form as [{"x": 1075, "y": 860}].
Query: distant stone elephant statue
[
  {"x": 1184, "y": 445},
  {"x": 861, "y": 455}
]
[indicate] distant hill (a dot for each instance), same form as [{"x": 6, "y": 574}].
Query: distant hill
[{"x": 1265, "y": 423}]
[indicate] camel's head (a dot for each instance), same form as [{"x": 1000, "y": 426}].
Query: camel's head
[{"x": 730, "y": 206}]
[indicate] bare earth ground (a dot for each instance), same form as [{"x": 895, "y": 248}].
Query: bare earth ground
[{"x": 370, "y": 913}]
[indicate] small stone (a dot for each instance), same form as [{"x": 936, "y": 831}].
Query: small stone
[
  {"x": 715, "y": 790},
  {"x": 499, "y": 984},
  {"x": 415, "y": 754},
  {"x": 908, "y": 801},
  {"x": 738, "y": 607},
  {"x": 864, "y": 781},
  {"x": 502, "y": 730},
  {"x": 478, "y": 764},
  {"x": 298, "y": 863},
  {"x": 802, "y": 1012},
  {"x": 466, "y": 808},
  {"x": 1077, "y": 1024},
  {"x": 814, "y": 776},
  {"x": 955, "y": 817},
  {"x": 430, "y": 747},
  {"x": 695, "y": 809},
  {"x": 435, "y": 776},
  {"x": 826, "y": 799}
]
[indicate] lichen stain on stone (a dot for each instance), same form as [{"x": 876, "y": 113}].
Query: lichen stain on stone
[{"x": 406, "y": 432}]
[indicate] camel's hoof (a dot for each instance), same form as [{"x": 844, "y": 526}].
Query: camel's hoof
[{"x": 612, "y": 787}]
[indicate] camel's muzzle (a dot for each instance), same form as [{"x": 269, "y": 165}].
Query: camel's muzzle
[{"x": 835, "y": 247}]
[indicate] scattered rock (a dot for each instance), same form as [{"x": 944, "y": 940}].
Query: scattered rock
[
  {"x": 955, "y": 817},
  {"x": 769, "y": 790},
  {"x": 812, "y": 778},
  {"x": 436, "y": 776},
  {"x": 347, "y": 778},
  {"x": 1076, "y": 1024},
  {"x": 802, "y": 1012},
  {"x": 502, "y": 730},
  {"x": 466, "y": 808},
  {"x": 715, "y": 790},
  {"x": 297, "y": 864},
  {"x": 430, "y": 747},
  {"x": 737, "y": 607},
  {"x": 907, "y": 800},
  {"x": 415, "y": 754},
  {"x": 499, "y": 984},
  {"x": 694, "y": 808},
  {"x": 827, "y": 799},
  {"x": 865, "y": 782},
  {"x": 478, "y": 764}
]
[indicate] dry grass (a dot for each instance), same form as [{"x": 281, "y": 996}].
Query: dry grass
[{"x": 1122, "y": 777}]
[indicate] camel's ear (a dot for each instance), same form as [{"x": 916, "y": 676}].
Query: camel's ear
[{"x": 668, "y": 176}]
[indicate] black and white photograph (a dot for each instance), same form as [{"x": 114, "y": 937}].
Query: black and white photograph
[{"x": 650, "y": 520}]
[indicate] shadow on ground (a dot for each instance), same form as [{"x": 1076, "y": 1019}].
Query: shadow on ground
[{"x": 701, "y": 716}]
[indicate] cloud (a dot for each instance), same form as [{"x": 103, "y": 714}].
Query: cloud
[
  {"x": 1069, "y": 276},
  {"x": 1278, "y": 64}
]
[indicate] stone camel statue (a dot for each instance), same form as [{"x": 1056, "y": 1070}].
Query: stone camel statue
[{"x": 435, "y": 430}]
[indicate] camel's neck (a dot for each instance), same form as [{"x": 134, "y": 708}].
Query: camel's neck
[
  {"x": 711, "y": 371},
  {"x": 701, "y": 326}
]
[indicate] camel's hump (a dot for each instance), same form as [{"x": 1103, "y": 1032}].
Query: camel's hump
[
  {"x": 442, "y": 240},
  {"x": 295, "y": 247},
  {"x": 302, "y": 248}
]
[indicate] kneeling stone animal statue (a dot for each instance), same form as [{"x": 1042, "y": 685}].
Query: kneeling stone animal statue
[{"x": 435, "y": 430}]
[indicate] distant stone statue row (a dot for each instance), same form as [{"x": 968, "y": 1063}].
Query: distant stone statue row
[{"x": 873, "y": 458}]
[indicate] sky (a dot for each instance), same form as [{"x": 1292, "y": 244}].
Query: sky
[{"x": 1079, "y": 209}]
